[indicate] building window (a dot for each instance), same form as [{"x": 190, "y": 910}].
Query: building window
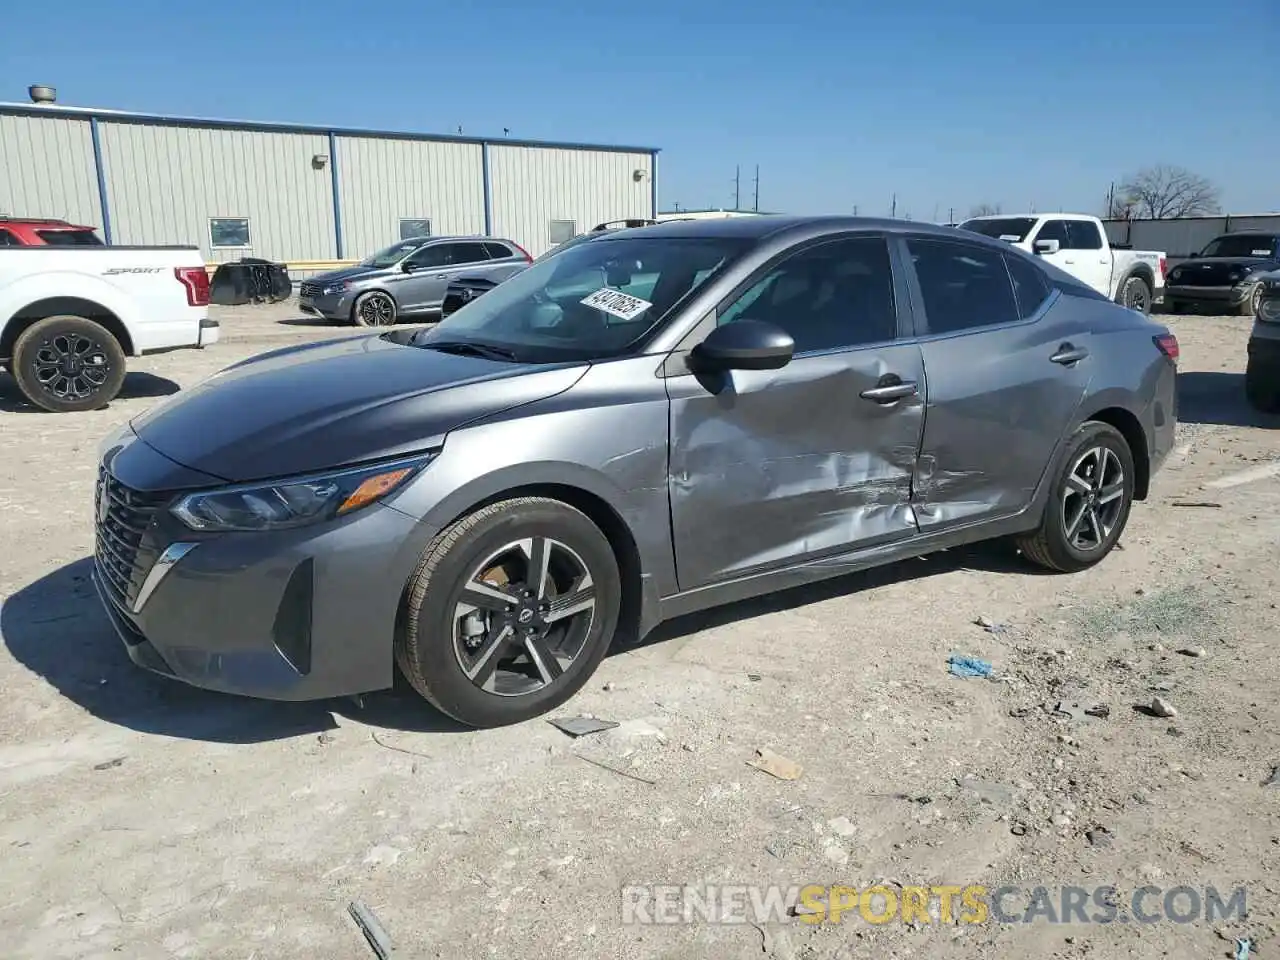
[
  {"x": 563, "y": 230},
  {"x": 229, "y": 232},
  {"x": 414, "y": 228}
]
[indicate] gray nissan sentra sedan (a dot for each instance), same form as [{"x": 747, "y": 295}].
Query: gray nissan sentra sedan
[{"x": 648, "y": 424}]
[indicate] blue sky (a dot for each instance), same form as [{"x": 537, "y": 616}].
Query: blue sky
[{"x": 842, "y": 103}]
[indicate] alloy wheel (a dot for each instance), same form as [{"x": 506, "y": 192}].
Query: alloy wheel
[
  {"x": 1137, "y": 297},
  {"x": 69, "y": 366},
  {"x": 1093, "y": 499},
  {"x": 523, "y": 616},
  {"x": 377, "y": 311}
]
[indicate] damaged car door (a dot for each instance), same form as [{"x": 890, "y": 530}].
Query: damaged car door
[
  {"x": 1007, "y": 360},
  {"x": 774, "y": 467}
]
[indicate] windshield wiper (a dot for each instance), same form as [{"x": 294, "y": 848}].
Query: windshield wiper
[{"x": 465, "y": 348}]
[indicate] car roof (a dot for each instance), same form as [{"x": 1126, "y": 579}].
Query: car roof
[{"x": 772, "y": 225}]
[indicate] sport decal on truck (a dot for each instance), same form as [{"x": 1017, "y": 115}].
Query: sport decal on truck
[
  {"x": 115, "y": 270},
  {"x": 616, "y": 303}
]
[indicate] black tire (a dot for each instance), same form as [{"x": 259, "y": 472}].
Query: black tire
[
  {"x": 1135, "y": 293},
  {"x": 426, "y": 650},
  {"x": 377, "y": 308},
  {"x": 68, "y": 364},
  {"x": 1252, "y": 302},
  {"x": 1262, "y": 388},
  {"x": 1050, "y": 545}
]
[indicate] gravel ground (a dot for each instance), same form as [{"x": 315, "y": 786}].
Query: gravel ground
[{"x": 140, "y": 818}]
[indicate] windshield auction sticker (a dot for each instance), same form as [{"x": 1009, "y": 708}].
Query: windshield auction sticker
[{"x": 616, "y": 303}]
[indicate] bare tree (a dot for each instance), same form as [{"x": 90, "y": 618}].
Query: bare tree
[
  {"x": 1163, "y": 192},
  {"x": 984, "y": 210},
  {"x": 1121, "y": 208}
]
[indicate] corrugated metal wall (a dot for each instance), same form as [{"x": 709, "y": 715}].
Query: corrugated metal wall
[
  {"x": 382, "y": 181},
  {"x": 531, "y": 186},
  {"x": 164, "y": 183},
  {"x": 1186, "y": 237},
  {"x": 46, "y": 169}
]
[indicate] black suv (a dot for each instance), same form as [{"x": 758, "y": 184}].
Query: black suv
[{"x": 1225, "y": 273}]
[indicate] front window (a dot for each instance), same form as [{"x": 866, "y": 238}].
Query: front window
[
  {"x": 229, "y": 232},
  {"x": 392, "y": 255},
  {"x": 1242, "y": 245},
  {"x": 1012, "y": 229},
  {"x": 587, "y": 303}
]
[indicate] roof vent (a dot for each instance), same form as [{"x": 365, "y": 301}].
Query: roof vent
[{"x": 41, "y": 94}]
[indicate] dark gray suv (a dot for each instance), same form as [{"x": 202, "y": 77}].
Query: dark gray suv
[
  {"x": 407, "y": 279},
  {"x": 642, "y": 426}
]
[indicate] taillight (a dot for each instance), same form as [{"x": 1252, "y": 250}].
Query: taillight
[
  {"x": 523, "y": 252},
  {"x": 1167, "y": 344},
  {"x": 196, "y": 280},
  {"x": 1164, "y": 267}
]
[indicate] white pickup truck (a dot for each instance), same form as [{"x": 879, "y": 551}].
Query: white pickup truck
[
  {"x": 1077, "y": 243},
  {"x": 70, "y": 315}
]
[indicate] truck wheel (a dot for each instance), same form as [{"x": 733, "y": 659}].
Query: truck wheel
[
  {"x": 1252, "y": 303},
  {"x": 374, "y": 309},
  {"x": 1136, "y": 295},
  {"x": 1262, "y": 388},
  {"x": 68, "y": 364}
]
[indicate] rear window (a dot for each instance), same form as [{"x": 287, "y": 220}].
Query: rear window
[
  {"x": 1013, "y": 229},
  {"x": 69, "y": 238}
]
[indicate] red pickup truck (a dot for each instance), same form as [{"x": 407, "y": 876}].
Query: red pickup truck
[{"x": 26, "y": 232}]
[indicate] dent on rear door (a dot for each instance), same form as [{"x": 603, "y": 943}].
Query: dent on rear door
[{"x": 998, "y": 407}]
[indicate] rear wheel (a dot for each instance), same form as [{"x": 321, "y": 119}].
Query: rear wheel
[
  {"x": 374, "y": 309},
  {"x": 1089, "y": 503},
  {"x": 510, "y": 612},
  {"x": 1136, "y": 295},
  {"x": 68, "y": 364}
]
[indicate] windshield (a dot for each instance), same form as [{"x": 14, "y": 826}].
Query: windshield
[
  {"x": 392, "y": 254},
  {"x": 567, "y": 245},
  {"x": 1012, "y": 229},
  {"x": 1241, "y": 245},
  {"x": 591, "y": 301},
  {"x": 69, "y": 238}
]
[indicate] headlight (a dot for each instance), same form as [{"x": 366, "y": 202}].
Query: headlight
[
  {"x": 1175, "y": 274},
  {"x": 333, "y": 288},
  {"x": 1269, "y": 309},
  {"x": 298, "y": 502}
]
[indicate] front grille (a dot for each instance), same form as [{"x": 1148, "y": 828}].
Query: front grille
[
  {"x": 121, "y": 556},
  {"x": 307, "y": 289},
  {"x": 1205, "y": 275}
]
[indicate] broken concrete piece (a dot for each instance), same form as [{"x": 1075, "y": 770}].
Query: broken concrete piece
[
  {"x": 1162, "y": 708},
  {"x": 582, "y": 726},
  {"x": 775, "y": 765},
  {"x": 371, "y": 928},
  {"x": 996, "y": 794},
  {"x": 842, "y": 827}
]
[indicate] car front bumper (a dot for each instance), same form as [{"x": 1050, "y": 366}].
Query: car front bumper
[
  {"x": 1233, "y": 295},
  {"x": 299, "y": 614},
  {"x": 334, "y": 306}
]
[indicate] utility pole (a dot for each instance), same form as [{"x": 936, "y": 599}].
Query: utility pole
[
  {"x": 1111, "y": 200},
  {"x": 737, "y": 186},
  {"x": 951, "y": 215},
  {"x": 893, "y": 206},
  {"x": 855, "y": 209},
  {"x": 756, "y": 205}
]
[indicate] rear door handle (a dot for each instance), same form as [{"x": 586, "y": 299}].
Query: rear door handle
[
  {"x": 890, "y": 392},
  {"x": 1068, "y": 354}
]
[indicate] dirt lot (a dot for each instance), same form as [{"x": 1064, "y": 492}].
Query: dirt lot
[{"x": 139, "y": 818}]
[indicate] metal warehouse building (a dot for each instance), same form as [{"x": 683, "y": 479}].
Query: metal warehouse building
[{"x": 296, "y": 193}]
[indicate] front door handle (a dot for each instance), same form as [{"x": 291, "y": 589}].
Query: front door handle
[
  {"x": 890, "y": 392},
  {"x": 1069, "y": 354}
]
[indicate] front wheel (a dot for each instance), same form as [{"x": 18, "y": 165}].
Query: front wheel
[
  {"x": 1088, "y": 504},
  {"x": 1252, "y": 303},
  {"x": 510, "y": 612},
  {"x": 374, "y": 309},
  {"x": 1136, "y": 295},
  {"x": 68, "y": 364}
]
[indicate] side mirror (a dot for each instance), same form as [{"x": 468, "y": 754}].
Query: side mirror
[
  {"x": 1046, "y": 246},
  {"x": 407, "y": 266},
  {"x": 743, "y": 345}
]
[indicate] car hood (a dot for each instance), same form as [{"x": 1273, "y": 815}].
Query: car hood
[
  {"x": 349, "y": 273},
  {"x": 329, "y": 404}
]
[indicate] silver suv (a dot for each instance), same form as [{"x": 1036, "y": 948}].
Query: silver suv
[{"x": 407, "y": 278}]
